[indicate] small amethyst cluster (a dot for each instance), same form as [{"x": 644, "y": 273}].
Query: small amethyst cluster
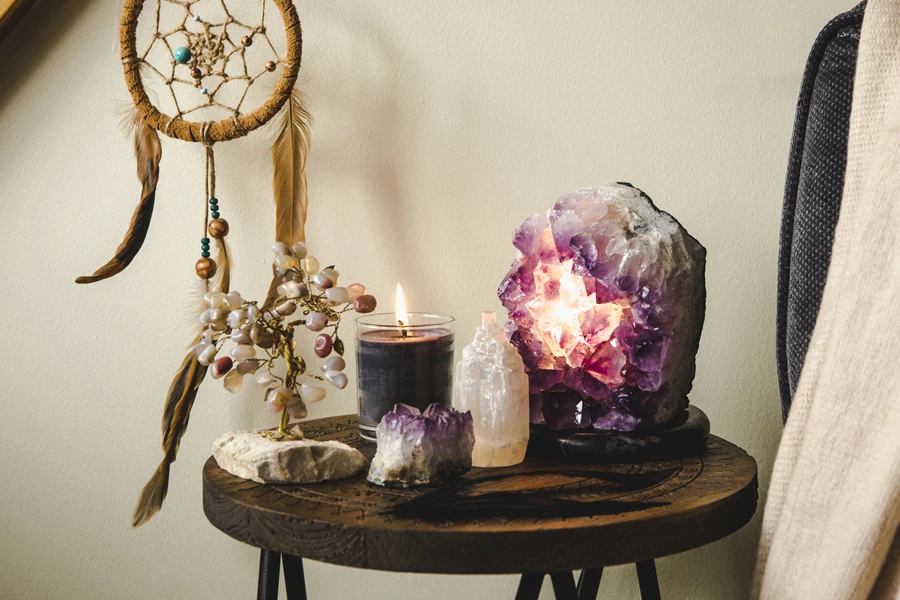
[
  {"x": 606, "y": 300},
  {"x": 417, "y": 448}
]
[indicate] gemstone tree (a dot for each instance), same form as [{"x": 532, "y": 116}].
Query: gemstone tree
[
  {"x": 262, "y": 337},
  {"x": 606, "y": 300}
]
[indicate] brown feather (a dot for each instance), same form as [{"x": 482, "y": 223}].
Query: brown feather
[
  {"x": 148, "y": 152},
  {"x": 289, "y": 162},
  {"x": 153, "y": 494},
  {"x": 289, "y": 154},
  {"x": 177, "y": 409},
  {"x": 223, "y": 265},
  {"x": 176, "y": 413},
  {"x": 180, "y": 384},
  {"x": 272, "y": 294}
]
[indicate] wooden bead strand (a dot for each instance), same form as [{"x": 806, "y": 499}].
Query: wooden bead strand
[
  {"x": 206, "y": 268},
  {"x": 217, "y": 228}
]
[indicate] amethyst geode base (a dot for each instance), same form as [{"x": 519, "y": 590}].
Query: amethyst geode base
[
  {"x": 606, "y": 300},
  {"x": 417, "y": 448}
]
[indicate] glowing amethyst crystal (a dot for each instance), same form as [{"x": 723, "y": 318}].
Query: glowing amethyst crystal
[
  {"x": 417, "y": 448},
  {"x": 606, "y": 300}
]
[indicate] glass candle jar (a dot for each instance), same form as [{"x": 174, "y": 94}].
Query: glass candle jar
[{"x": 409, "y": 363}]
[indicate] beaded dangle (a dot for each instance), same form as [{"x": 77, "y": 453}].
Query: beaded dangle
[{"x": 213, "y": 225}]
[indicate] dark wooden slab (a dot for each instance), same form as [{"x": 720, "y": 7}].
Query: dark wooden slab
[{"x": 540, "y": 516}]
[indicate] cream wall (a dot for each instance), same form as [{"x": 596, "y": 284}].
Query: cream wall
[{"x": 439, "y": 126}]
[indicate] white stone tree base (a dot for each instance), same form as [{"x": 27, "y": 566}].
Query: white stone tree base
[{"x": 251, "y": 455}]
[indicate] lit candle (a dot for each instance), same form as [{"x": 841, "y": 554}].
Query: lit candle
[{"x": 402, "y": 357}]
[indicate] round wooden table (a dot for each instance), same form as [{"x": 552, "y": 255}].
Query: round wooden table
[{"x": 539, "y": 517}]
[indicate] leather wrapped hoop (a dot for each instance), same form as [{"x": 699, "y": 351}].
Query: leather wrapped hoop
[{"x": 218, "y": 131}]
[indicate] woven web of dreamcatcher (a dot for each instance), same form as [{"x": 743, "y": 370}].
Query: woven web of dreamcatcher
[{"x": 213, "y": 48}]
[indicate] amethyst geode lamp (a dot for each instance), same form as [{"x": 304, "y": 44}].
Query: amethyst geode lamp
[{"x": 606, "y": 300}]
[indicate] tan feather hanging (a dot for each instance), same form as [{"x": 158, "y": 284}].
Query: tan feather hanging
[
  {"x": 148, "y": 152},
  {"x": 289, "y": 154},
  {"x": 177, "y": 410},
  {"x": 223, "y": 265}
]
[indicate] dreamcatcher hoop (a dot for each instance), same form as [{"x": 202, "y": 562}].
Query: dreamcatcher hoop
[{"x": 209, "y": 131}]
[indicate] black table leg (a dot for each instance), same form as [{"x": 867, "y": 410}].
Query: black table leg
[
  {"x": 530, "y": 586},
  {"x": 646, "y": 570},
  {"x": 589, "y": 583},
  {"x": 269, "y": 572},
  {"x": 294, "y": 580},
  {"x": 564, "y": 585}
]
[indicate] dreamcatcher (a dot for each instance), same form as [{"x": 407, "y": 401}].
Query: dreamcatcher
[{"x": 202, "y": 54}]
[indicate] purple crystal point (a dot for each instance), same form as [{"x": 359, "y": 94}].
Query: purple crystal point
[
  {"x": 405, "y": 410},
  {"x": 606, "y": 301},
  {"x": 416, "y": 448},
  {"x": 529, "y": 234}
]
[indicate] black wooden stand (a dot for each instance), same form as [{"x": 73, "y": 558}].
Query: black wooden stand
[{"x": 564, "y": 587}]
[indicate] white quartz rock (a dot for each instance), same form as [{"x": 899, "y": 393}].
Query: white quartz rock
[
  {"x": 491, "y": 382},
  {"x": 286, "y": 262},
  {"x": 355, "y": 290},
  {"x": 337, "y": 294},
  {"x": 337, "y": 379},
  {"x": 311, "y": 264},
  {"x": 299, "y": 250},
  {"x": 251, "y": 455},
  {"x": 234, "y": 381},
  {"x": 243, "y": 352},
  {"x": 312, "y": 392},
  {"x": 334, "y": 363}
]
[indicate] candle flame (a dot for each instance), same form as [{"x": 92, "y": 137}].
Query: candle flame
[{"x": 402, "y": 316}]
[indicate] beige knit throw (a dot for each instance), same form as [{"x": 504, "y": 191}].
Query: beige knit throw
[{"x": 830, "y": 523}]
